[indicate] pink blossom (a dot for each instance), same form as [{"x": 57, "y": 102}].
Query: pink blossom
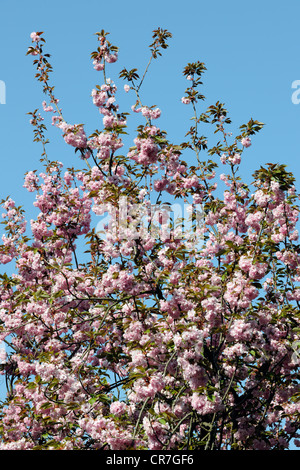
[
  {"x": 151, "y": 113},
  {"x": 133, "y": 338},
  {"x": 75, "y": 135},
  {"x": 235, "y": 159},
  {"x": 185, "y": 100},
  {"x": 205, "y": 406},
  {"x": 108, "y": 121},
  {"x": 35, "y": 37},
  {"x": 99, "y": 97},
  {"x": 98, "y": 65},
  {"x": 223, "y": 158},
  {"x": 31, "y": 181},
  {"x": 246, "y": 141},
  {"x": 261, "y": 198},
  {"x": 146, "y": 151},
  {"x": 118, "y": 408},
  {"x": 3, "y": 354},
  {"x": 110, "y": 58},
  {"x": 47, "y": 108}
]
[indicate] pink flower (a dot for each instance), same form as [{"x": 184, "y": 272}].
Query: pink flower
[
  {"x": 99, "y": 97},
  {"x": 108, "y": 121},
  {"x": 98, "y": 65},
  {"x": 110, "y": 58},
  {"x": 31, "y": 181},
  {"x": 35, "y": 37},
  {"x": 74, "y": 135},
  {"x": 3, "y": 354},
  {"x": 47, "y": 108},
  {"x": 245, "y": 263},
  {"x": 235, "y": 159},
  {"x": 223, "y": 159},
  {"x": 135, "y": 109},
  {"x": 185, "y": 100},
  {"x": 240, "y": 330},
  {"x": 246, "y": 142},
  {"x": 118, "y": 408},
  {"x": 258, "y": 271},
  {"x": 159, "y": 185},
  {"x": 146, "y": 151},
  {"x": 204, "y": 406},
  {"x": 151, "y": 113}
]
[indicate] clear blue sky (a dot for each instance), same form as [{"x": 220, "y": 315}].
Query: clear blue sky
[{"x": 251, "y": 51}]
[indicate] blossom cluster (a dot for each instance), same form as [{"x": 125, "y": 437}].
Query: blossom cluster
[{"x": 134, "y": 342}]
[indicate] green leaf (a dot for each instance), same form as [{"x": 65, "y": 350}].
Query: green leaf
[{"x": 46, "y": 406}]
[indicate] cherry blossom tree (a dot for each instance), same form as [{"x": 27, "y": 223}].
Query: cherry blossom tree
[{"x": 155, "y": 337}]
